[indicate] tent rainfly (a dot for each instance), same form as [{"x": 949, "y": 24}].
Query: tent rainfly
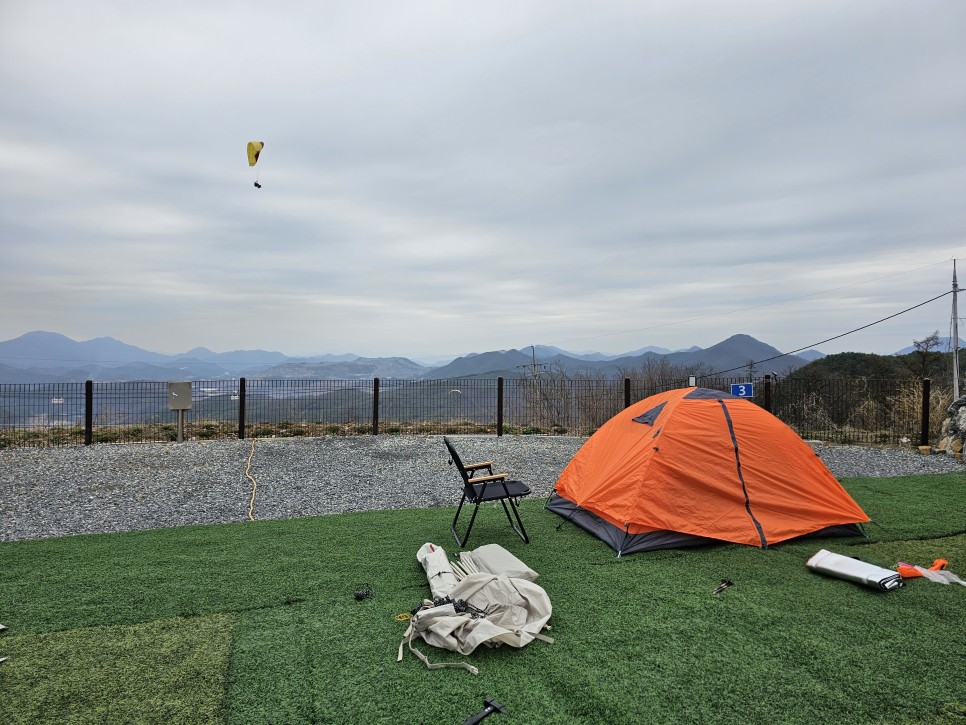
[{"x": 694, "y": 466}]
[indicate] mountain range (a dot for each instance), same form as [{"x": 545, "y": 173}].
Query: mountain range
[{"x": 48, "y": 357}]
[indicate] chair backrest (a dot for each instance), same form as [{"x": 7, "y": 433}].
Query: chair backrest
[{"x": 455, "y": 458}]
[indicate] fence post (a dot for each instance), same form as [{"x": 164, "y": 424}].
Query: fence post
[
  {"x": 241, "y": 409},
  {"x": 768, "y": 392},
  {"x": 627, "y": 392},
  {"x": 88, "y": 412},
  {"x": 375, "y": 406},
  {"x": 499, "y": 406},
  {"x": 924, "y": 434}
]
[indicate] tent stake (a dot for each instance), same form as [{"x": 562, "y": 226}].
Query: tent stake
[{"x": 490, "y": 706}]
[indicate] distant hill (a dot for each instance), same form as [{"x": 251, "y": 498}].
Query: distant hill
[
  {"x": 734, "y": 354},
  {"x": 731, "y": 355},
  {"x": 53, "y": 350},
  {"x": 16, "y": 375},
  {"x": 547, "y": 352},
  {"x": 39, "y": 357},
  {"x": 503, "y": 362},
  {"x": 235, "y": 357},
  {"x": 360, "y": 368},
  {"x": 852, "y": 364},
  {"x": 945, "y": 345}
]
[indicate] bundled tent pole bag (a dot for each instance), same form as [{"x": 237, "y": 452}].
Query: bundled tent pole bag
[
  {"x": 438, "y": 570},
  {"x": 492, "y": 608},
  {"x": 854, "y": 570}
]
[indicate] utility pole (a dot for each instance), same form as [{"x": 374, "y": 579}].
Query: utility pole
[
  {"x": 955, "y": 337},
  {"x": 534, "y": 367}
]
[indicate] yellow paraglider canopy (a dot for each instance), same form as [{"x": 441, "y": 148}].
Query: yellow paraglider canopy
[{"x": 254, "y": 149}]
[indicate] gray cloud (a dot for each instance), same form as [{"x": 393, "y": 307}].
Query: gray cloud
[{"x": 443, "y": 178}]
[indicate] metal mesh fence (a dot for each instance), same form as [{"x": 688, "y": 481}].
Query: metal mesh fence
[
  {"x": 43, "y": 414},
  {"x": 859, "y": 410},
  {"x": 438, "y": 406},
  {"x": 308, "y": 407},
  {"x": 557, "y": 406},
  {"x": 854, "y": 410}
]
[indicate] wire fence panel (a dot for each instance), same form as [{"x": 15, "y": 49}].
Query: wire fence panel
[
  {"x": 44, "y": 414},
  {"x": 857, "y": 410},
  {"x": 558, "y": 406},
  {"x": 214, "y": 409},
  {"x": 840, "y": 410},
  {"x": 308, "y": 407},
  {"x": 133, "y": 412},
  {"x": 439, "y": 406}
]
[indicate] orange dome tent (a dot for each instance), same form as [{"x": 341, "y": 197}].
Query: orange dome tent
[{"x": 694, "y": 466}]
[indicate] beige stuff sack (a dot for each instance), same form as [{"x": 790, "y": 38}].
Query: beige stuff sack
[{"x": 482, "y": 609}]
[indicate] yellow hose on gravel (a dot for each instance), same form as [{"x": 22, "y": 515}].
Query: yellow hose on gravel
[{"x": 248, "y": 475}]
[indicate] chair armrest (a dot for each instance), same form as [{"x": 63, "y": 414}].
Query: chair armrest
[
  {"x": 483, "y": 479},
  {"x": 473, "y": 466}
]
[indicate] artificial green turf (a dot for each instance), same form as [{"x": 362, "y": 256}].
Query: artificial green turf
[
  {"x": 167, "y": 670},
  {"x": 258, "y": 622}
]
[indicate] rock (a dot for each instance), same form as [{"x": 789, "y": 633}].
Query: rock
[{"x": 954, "y": 428}]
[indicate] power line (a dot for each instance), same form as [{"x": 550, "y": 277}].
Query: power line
[
  {"x": 746, "y": 309},
  {"x": 822, "y": 342}
]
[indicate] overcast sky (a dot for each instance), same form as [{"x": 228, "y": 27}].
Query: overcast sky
[{"x": 441, "y": 178}]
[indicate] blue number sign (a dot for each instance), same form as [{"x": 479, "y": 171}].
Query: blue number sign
[{"x": 743, "y": 390}]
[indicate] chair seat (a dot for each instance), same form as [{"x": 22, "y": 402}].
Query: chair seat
[{"x": 494, "y": 490}]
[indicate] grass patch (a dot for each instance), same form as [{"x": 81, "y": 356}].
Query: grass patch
[
  {"x": 256, "y": 622},
  {"x": 170, "y": 670}
]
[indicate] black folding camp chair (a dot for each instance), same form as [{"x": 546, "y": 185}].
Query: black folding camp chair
[{"x": 488, "y": 487}]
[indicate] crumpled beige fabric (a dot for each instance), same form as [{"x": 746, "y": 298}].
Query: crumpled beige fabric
[
  {"x": 517, "y": 611},
  {"x": 496, "y": 560}
]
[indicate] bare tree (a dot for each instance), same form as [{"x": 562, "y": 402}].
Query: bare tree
[{"x": 926, "y": 357}]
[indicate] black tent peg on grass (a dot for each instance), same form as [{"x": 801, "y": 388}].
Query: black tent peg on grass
[{"x": 490, "y": 706}]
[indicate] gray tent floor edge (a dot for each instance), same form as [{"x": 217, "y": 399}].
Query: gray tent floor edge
[
  {"x": 617, "y": 538},
  {"x": 624, "y": 543},
  {"x": 835, "y": 530}
]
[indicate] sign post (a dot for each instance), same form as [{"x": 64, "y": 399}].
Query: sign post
[
  {"x": 179, "y": 399},
  {"x": 743, "y": 390}
]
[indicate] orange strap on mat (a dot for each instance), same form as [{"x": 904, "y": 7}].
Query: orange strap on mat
[{"x": 907, "y": 571}]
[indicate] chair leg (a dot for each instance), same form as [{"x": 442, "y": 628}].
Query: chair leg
[
  {"x": 521, "y": 532},
  {"x": 476, "y": 508}
]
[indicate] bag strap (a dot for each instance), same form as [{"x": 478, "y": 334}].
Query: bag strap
[{"x": 408, "y": 639}]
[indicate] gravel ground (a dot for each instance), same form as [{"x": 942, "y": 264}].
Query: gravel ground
[{"x": 94, "y": 489}]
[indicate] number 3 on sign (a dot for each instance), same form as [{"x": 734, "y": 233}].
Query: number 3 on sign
[{"x": 743, "y": 390}]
